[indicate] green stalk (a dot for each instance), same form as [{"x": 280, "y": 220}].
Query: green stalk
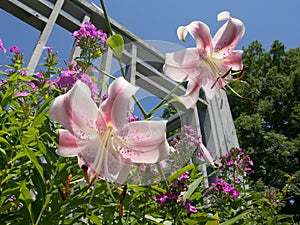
[
  {"x": 106, "y": 18},
  {"x": 163, "y": 100}
]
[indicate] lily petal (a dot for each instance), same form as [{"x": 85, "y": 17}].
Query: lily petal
[
  {"x": 115, "y": 107},
  {"x": 199, "y": 31},
  {"x": 68, "y": 146},
  {"x": 182, "y": 64},
  {"x": 192, "y": 93},
  {"x": 228, "y": 36},
  {"x": 234, "y": 60},
  {"x": 143, "y": 142},
  {"x": 70, "y": 110},
  {"x": 206, "y": 155},
  {"x": 143, "y": 133},
  {"x": 117, "y": 168}
]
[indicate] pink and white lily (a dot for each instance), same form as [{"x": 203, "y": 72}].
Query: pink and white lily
[
  {"x": 102, "y": 138},
  {"x": 206, "y": 64}
]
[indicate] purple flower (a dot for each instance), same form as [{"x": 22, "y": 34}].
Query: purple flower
[
  {"x": 49, "y": 49},
  {"x": 89, "y": 82},
  {"x": 66, "y": 81},
  {"x": 160, "y": 198},
  {"x": 189, "y": 207},
  {"x": 23, "y": 72},
  {"x": 22, "y": 94},
  {"x": 9, "y": 70},
  {"x": 14, "y": 49},
  {"x": 2, "y": 47},
  {"x": 131, "y": 117},
  {"x": 184, "y": 176}
]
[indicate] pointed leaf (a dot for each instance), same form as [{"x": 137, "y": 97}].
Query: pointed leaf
[
  {"x": 192, "y": 187},
  {"x": 116, "y": 43},
  {"x": 235, "y": 219},
  {"x": 216, "y": 216},
  {"x": 180, "y": 171}
]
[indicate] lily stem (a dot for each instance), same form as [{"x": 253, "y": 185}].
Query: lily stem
[
  {"x": 106, "y": 18},
  {"x": 164, "y": 100}
]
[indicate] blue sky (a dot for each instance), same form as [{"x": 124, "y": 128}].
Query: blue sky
[{"x": 265, "y": 21}]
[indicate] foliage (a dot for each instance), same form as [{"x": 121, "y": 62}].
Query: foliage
[
  {"x": 39, "y": 187},
  {"x": 268, "y": 124}
]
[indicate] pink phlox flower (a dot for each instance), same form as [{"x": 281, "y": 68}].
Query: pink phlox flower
[
  {"x": 66, "y": 81},
  {"x": 101, "y": 137},
  {"x": 160, "y": 198},
  {"x": 92, "y": 85},
  {"x": 14, "y": 49},
  {"x": 33, "y": 86},
  {"x": 230, "y": 162},
  {"x": 206, "y": 64},
  {"x": 132, "y": 117},
  {"x": 184, "y": 176},
  {"x": 2, "y": 47},
  {"x": 40, "y": 75},
  {"x": 22, "y": 94},
  {"x": 189, "y": 207},
  {"x": 49, "y": 49},
  {"x": 23, "y": 72}
]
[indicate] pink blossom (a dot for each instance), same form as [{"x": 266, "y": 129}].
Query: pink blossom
[
  {"x": 14, "y": 49},
  {"x": 206, "y": 64},
  {"x": 189, "y": 207},
  {"x": 102, "y": 138},
  {"x": 22, "y": 94},
  {"x": 2, "y": 47}
]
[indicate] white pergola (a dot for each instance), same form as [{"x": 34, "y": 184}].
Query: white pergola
[{"x": 143, "y": 65}]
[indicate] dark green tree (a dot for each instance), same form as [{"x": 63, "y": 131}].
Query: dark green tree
[{"x": 268, "y": 125}]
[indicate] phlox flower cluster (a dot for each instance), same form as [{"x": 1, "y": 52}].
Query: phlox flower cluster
[
  {"x": 221, "y": 186},
  {"x": 173, "y": 198},
  {"x": 72, "y": 74},
  {"x": 91, "y": 41},
  {"x": 87, "y": 29},
  {"x": 2, "y": 47},
  {"x": 236, "y": 164},
  {"x": 190, "y": 141}
]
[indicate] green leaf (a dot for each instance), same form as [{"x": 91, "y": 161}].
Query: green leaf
[
  {"x": 94, "y": 219},
  {"x": 6, "y": 207},
  {"x": 30, "y": 154},
  {"x": 116, "y": 43},
  {"x": 216, "y": 216},
  {"x": 237, "y": 218},
  {"x": 180, "y": 171},
  {"x": 192, "y": 187}
]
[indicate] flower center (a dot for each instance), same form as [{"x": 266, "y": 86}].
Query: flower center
[
  {"x": 106, "y": 136},
  {"x": 210, "y": 63}
]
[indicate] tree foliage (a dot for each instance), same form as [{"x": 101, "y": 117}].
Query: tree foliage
[{"x": 268, "y": 124}]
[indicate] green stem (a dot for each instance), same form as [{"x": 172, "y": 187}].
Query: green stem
[
  {"x": 106, "y": 74},
  {"x": 162, "y": 175},
  {"x": 106, "y": 18},
  {"x": 163, "y": 100},
  {"x": 50, "y": 189}
]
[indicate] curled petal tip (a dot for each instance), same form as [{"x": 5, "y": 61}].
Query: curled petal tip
[
  {"x": 181, "y": 33},
  {"x": 225, "y": 15}
]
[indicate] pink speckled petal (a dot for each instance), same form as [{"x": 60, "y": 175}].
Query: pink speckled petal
[
  {"x": 192, "y": 93},
  {"x": 199, "y": 31},
  {"x": 143, "y": 141},
  {"x": 115, "y": 107},
  {"x": 68, "y": 144},
  {"x": 228, "y": 36},
  {"x": 234, "y": 60},
  {"x": 70, "y": 110},
  {"x": 206, "y": 155},
  {"x": 182, "y": 64}
]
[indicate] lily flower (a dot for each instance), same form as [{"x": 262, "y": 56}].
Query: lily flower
[
  {"x": 212, "y": 58},
  {"x": 101, "y": 137}
]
